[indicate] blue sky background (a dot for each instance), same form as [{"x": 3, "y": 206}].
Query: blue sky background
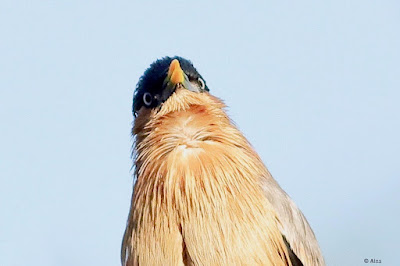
[{"x": 315, "y": 86}]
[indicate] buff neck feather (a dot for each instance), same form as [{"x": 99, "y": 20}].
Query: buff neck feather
[{"x": 197, "y": 199}]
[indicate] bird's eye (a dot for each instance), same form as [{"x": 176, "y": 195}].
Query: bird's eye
[
  {"x": 147, "y": 99},
  {"x": 202, "y": 84}
]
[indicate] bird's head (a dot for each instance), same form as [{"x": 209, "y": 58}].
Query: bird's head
[{"x": 162, "y": 79}]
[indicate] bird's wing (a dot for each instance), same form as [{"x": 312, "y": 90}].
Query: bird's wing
[
  {"x": 292, "y": 256},
  {"x": 294, "y": 227}
]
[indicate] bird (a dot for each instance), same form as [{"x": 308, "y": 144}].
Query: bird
[{"x": 202, "y": 195}]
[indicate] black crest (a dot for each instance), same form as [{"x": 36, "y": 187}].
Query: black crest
[{"x": 153, "y": 78}]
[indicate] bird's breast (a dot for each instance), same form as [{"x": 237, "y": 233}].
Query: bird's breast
[
  {"x": 186, "y": 131},
  {"x": 197, "y": 191}
]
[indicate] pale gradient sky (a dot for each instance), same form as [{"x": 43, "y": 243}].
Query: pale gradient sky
[{"x": 315, "y": 86}]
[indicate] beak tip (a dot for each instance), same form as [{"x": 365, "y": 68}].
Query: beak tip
[
  {"x": 173, "y": 66},
  {"x": 175, "y": 62}
]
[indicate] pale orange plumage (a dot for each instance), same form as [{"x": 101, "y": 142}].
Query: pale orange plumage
[{"x": 199, "y": 197}]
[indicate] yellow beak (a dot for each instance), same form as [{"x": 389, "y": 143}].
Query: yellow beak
[
  {"x": 176, "y": 77},
  {"x": 175, "y": 72}
]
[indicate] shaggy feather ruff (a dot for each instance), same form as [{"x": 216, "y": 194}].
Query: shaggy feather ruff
[{"x": 198, "y": 199}]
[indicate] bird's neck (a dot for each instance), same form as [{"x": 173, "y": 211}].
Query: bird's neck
[{"x": 197, "y": 181}]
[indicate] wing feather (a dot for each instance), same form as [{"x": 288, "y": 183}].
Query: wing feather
[{"x": 294, "y": 226}]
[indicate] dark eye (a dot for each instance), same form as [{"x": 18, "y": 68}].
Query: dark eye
[
  {"x": 147, "y": 99},
  {"x": 202, "y": 84}
]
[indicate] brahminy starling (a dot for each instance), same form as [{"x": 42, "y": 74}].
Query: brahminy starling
[{"x": 202, "y": 194}]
